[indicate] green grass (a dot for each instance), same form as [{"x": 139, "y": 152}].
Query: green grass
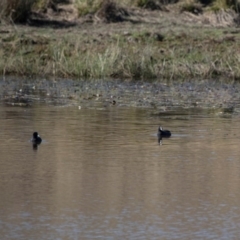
[
  {"x": 205, "y": 54},
  {"x": 181, "y": 51}
]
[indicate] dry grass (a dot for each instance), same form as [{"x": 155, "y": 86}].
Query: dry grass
[
  {"x": 135, "y": 51},
  {"x": 207, "y": 53},
  {"x": 18, "y": 10}
]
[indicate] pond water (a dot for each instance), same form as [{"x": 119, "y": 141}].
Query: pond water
[{"x": 101, "y": 174}]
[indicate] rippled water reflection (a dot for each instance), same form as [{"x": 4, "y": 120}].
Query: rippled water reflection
[{"x": 100, "y": 173}]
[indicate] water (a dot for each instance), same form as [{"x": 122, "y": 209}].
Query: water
[{"x": 100, "y": 174}]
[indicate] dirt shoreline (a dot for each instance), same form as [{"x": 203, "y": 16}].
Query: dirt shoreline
[
  {"x": 213, "y": 97},
  {"x": 163, "y": 60}
]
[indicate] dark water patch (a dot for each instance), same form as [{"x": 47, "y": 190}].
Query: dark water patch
[{"x": 183, "y": 112}]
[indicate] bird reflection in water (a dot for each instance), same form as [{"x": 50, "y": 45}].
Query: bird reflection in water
[
  {"x": 36, "y": 140},
  {"x": 35, "y": 146}
]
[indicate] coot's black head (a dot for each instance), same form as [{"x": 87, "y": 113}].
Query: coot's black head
[
  {"x": 36, "y": 138},
  {"x": 35, "y": 135}
]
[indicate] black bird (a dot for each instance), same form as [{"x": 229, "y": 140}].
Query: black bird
[
  {"x": 36, "y": 138},
  {"x": 163, "y": 134}
]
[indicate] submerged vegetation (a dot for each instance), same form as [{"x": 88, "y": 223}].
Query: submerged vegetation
[{"x": 109, "y": 40}]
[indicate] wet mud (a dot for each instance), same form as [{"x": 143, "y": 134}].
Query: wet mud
[{"x": 211, "y": 96}]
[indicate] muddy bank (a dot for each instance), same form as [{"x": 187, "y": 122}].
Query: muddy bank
[{"x": 218, "y": 97}]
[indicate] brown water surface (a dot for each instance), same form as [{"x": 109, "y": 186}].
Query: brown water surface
[{"x": 100, "y": 174}]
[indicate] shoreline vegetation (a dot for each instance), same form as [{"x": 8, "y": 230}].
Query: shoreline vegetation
[{"x": 133, "y": 39}]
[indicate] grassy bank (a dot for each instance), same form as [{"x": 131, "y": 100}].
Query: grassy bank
[
  {"x": 165, "y": 47},
  {"x": 188, "y": 53}
]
